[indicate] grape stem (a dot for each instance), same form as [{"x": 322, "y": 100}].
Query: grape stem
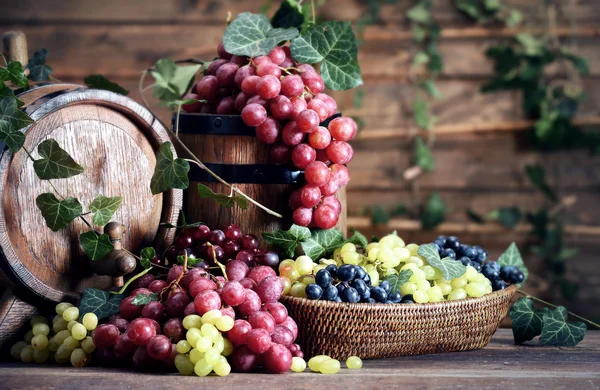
[
  {"x": 550, "y": 304},
  {"x": 221, "y": 266},
  {"x": 139, "y": 275}
]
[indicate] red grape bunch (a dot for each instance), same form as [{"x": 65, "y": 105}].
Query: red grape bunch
[{"x": 284, "y": 101}]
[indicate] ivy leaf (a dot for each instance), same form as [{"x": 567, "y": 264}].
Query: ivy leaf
[
  {"x": 423, "y": 156},
  {"x": 557, "y": 331},
  {"x": 537, "y": 176},
  {"x": 334, "y": 45},
  {"x": 146, "y": 255},
  {"x": 434, "y": 211},
  {"x": 17, "y": 119},
  {"x": 322, "y": 242},
  {"x": 514, "y": 18},
  {"x": 143, "y": 299},
  {"x": 450, "y": 268},
  {"x": 421, "y": 114},
  {"x": 357, "y": 239},
  {"x": 172, "y": 81},
  {"x": 99, "y": 302},
  {"x": 290, "y": 14},
  {"x": 97, "y": 81},
  {"x": 431, "y": 88},
  {"x": 475, "y": 216},
  {"x": 396, "y": 281},
  {"x": 531, "y": 45},
  {"x": 512, "y": 256},
  {"x": 104, "y": 208},
  {"x": 507, "y": 216},
  {"x": 14, "y": 72},
  {"x": 13, "y": 138},
  {"x": 55, "y": 163},
  {"x": 224, "y": 200},
  {"x": 419, "y": 13},
  {"x": 287, "y": 240},
  {"x": 95, "y": 245},
  {"x": 526, "y": 321},
  {"x": 58, "y": 213},
  {"x": 420, "y": 58},
  {"x": 252, "y": 35},
  {"x": 169, "y": 173},
  {"x": 38, "y": 70}
]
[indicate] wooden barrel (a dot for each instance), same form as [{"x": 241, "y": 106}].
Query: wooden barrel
[
  {"x": 115, "y": 140},
  {"x": 230, "y": 148}
]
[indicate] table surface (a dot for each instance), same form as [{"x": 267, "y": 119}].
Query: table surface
[{"x": 501, "y": 364}]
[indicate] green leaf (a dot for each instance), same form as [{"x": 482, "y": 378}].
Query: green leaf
[
  {"x": 357, "y": 239},
  {"x": 397, "y": 281},
  {"x": 143, "y": 299},
  {"x": 169, "y": 173},
  {"x": 419, "y": 13},
  {"x": 507, "y": 216},
  {"x": 526, "y": 321},
  {"x": 431, "y": 88},
  {"x": 58, "y": 213},
  {"x": 252, "y": 35},
  {"x": 379, "y": 216},
  {"x": 14, "y": 72},
  {"x": 450, "y": 268},
  {"x": 334, "y": 45},
  {"x": 289, "y": 14},
  {"x": 423, "y": 156},
  {"x": 580, "y": 63},
  {"x": 322, "y": 243},
  {"x": 492, "y": 5},
  {"x": 13, "y": 138},
  {"x": 475, "y": 216},
  {"x": 16, "y": 119},
  {"x": 421, "y": 114},
  {"x": 95, "y": 245},
  {"x": 38, "y": 70},
  {"x": 287, "y": 240},
  {"x": 97, "y": 81},
  {"x": 146, "y": 255},
  {"x": 531, "y": 45},
  {"x": 191, "y": 261},
  {"x": 419, "y": 33},
  {"x": 172, "y": 81},
  {"x": 514, "y": 18},
  {"x": 99, "y": 302},
  {"x": 434, "y": 211},
  {"x": 512, "y": 256},
  {"x": 557, "y": 331},
  {"x": 55, "y": 163},
  {"x": 419, "y": 59},
  {"x": 205, "y": 192},
  {"x": 537, "y": 176},
  {"x": 104, "y": 208}
]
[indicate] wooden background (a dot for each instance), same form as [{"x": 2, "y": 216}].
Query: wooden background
[{"x": 481, "y": 168}]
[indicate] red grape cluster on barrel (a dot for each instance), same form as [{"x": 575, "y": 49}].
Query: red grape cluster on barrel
[{"x": 284, "y": 101}]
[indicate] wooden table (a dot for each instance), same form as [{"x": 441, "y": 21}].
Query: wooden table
[{"x": 501, "y": 365}]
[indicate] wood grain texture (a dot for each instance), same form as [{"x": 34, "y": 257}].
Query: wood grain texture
[
  {"x": 14, "y": 317},
  {"x": 501, "y": 365}
]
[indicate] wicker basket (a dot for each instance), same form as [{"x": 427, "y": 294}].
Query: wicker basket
[{"x": 374, "y": 331}]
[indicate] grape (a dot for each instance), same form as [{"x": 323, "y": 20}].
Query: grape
[
  {"x": 329, "y": 366},
  {"x": 153, "y": 310},
  {"x": 294, "y": 201},
  {"x": 268, "y": 87},
  {"x": 70, "y": 342},
  {"x": 243, "y": 73},
  {"x": 310, "y": 196},
  {"x": 15, "y": 350},
  {"x": 302, "y": 155},
  {"x": 184, "y": 365},
  {"x": 287, "y": 63},
  {"x": 104, "y": 336},
  {"x": 298, "y": 364},
  {"x": 343, "y": 128},
  {"x": 193, "y": 106},
  {"x": 59, "y": 325},
  {"x": 207, "y": 300},
  {"x": 174, "y": 273},
  {"x": 268, "y": 131},
  {"x": 317, "y": 174},
  {"x": 258, "y": 341},
  {"x": 184, "y": 241},
  {"x": 78, "y": 358},
  {"x": 250, "y": 241},
  {"x": 140, "y": 291},
  {"x": 340, "y": 152},
  {"x": 340, "y": 174},
  {"x": 231, "y": 248},
  {"x": 261, "y": 272},
  {"x": 79, "y": 331},
  {"x": 225, "y": 323},
  {"x": 233, "y": 233},
  {"x": 322, "y": 154},
  {"x": 40, "y": 356},
  {"x": 222, "y": 53},
  {"x": 240, "y": 101},
  {"x": 261, "y": 60},
  {"x": 251, "y": 303},
  {"x": 313, "y": 82},
  {"x": 175, "y": 304},
  {"x": 239, "y": 60},
  {"x": 291, "y": 325},
  {"x": 119, "y": 322},
  {"x": 291, "y": 135},
  {"x": 226, "y": 74},
  {"x": 44, "y": 329},
  {"x": 280, "y": 153},
  {"x": 226, "y": 106},
  {"x": 159, "y": 347},
  {"x": 222, "y": 368},
  {"x": 307, "y": 121},
  {"x": 192, "y": 275},
  {"x": 268, "y": 69},
  {"x": 215, "y": 253},
  {"x": 217, "y": 237},
  {"x": 157, "y": 285},
  {"x": 278, "y": 359},
  {"x": 208, "y": 88},
  {"x": 244, "y": 360},
  {"x": 277, "y": 310},
  {"x": 292, "y": 86},
  {"x": 329, "y": 101},
  {"x": 320, "y": 107},
  {"x": 320, "y": 138},
  {"x": 39, "y": 342},
  {"x": 268, "y": 258},
  {"x": 302, "y": 216},
  {"x": 281, "y": 107},
  {"x": 236, "y": 269},
  {"x": 239, "y": 333},
  {"x": 333, "y": 202},
  {"x": 254, "y": 114},
  {"x": 212, "y": 69},
  {"x": 248, "y": 85},
  {"x": 282, "y": 335},
  {"x": 60, "y": 308},
  {"x": 140, "y": 331},
  {"x": 142, "y": 360},
  {"x": 277, "y": 55}
]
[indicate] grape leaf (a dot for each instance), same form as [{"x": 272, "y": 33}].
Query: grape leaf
[
  {"x": 14, "y": 72},
  {"x": 423, "y": 156},
  {"x": 143, "y": 299},
  {"x": 475, "y": 216},
  {"x": 104, "y": 208},
  {"x": 169, "y": 173},
  {"x": 537, "y": 176},
  {"x": 322, "y": 243},
  {"x": 557, "y": 331},
  {"x": 357, "y": 239},
  {"x": 450, "y": 268},
  {"x": 287, "y": 240},
  {"x": 252, "y": 35},
  {"x": 191, "y": 261},
  {"x": 334, "y": 45},
  {"x": 224, "y": 200},
  {"x": 172, "y": 81},
  {"x": 290, "y": 14},
  {"x": 507, "y": 216},
  {"x": 16, "y": 119},
  {"x": 431, "y": 88},
  {"x": 434, "y": 211},
  {"x": 419, "y": 13},
  {"x": 512, "y": 256},
  {"x": 526, "y": 320},
  {"x": 101, "y": 303},
  {"x": 396, "y": 281},
  {"x": 58, "y": 213},
  {"x": 146, "y": 255},
  {"x": 13, "y": 138},
  {"x": 38, "y": 70},
  {"x": 97, "y": 81},
  {"x": 95, "y": 245},
  {"x": 55, "y": 163}
]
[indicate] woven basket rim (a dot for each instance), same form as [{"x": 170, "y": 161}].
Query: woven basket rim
[{"x": 509, "y": 291}]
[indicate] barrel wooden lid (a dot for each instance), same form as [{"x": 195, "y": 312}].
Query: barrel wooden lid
[{"x": 115, "y": 140}]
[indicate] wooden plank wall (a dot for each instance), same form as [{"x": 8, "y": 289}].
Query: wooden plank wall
[{"x": 479, "y": 170}]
